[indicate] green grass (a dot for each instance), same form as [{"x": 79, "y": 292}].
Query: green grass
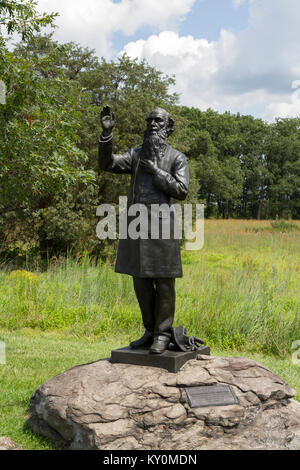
[
  {"x": 240, "y": 294},
  {"x": 34, "y": 357},
  {"x": 240, "y": 291},
  {"x": 276, "y": 225}
]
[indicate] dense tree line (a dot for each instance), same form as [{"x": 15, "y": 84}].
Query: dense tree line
[
  {"x": 246, "y": 168},
  {"x": 50, "y": 185}
]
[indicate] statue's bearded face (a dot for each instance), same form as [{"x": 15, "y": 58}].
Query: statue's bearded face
[
  {"x": 155, "y": 137},
  {"x": 156, "y": 125}
]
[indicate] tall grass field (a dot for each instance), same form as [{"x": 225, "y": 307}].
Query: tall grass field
[
  {"x": 240, "y": 291},
  {"x": 240, "y": 294}
]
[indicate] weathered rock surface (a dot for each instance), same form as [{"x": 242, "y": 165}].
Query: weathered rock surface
[
  {"x": 8, "y": 444},
  {"x": 116, "y": 406}
]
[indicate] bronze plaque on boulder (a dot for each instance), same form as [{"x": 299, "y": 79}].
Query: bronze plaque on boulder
[{"x": 211, "y": 395}]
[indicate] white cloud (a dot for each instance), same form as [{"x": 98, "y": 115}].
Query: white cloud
[
  {"x": 250, "y": 71},
  {"x": 92, "y": 22},
  {"x": 195, "y": 62},
  {"x": 288, "y": 108}
]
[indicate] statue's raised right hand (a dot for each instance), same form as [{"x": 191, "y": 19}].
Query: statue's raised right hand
[{"x": 108, "y": 120}]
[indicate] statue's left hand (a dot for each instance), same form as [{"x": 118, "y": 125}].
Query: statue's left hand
[{"x": 149, "y": 166}]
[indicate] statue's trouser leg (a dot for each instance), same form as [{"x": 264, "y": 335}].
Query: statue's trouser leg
[
  {"x": 145, "y": 293},
  {"x": 156, "y": 299},
  {"x": 164, "y": 306}
]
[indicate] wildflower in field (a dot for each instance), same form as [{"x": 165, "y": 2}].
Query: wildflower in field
[{"x": 22, "y": 274}]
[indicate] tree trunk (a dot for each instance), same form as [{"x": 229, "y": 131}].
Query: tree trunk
[
  {"x": 208, "y": 209},
  {"x": 260, "y": 203},
  {"x": 227, "y": 209}
]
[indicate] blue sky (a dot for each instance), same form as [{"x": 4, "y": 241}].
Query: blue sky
[
  {"x": 205, "y": 19},
  {"x": 236, "y": 55},
  {"x": 208, "y": 17}
]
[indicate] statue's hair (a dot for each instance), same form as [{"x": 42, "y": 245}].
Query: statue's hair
[{"x": 167, "y": 116}]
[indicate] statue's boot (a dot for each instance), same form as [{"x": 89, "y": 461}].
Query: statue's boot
[
  {"x": 160, "y": 344},
  {"x": 145, "y": 341}
]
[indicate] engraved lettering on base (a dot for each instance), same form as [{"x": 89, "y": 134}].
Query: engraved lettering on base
[{"x": 211, "y": 395}]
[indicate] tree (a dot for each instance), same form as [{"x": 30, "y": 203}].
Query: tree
[
  {"x": 39, "y": 155},
  {"x": 50, "y": 143},
  {"x": 215, "y": 143},
  {"x": 257, "y": 177},
  {"x": 21, "y": 16},
  {"x": 283, "y": 161}
]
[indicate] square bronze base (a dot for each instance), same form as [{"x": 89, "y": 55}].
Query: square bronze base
[{"x": 172, "y": 361}]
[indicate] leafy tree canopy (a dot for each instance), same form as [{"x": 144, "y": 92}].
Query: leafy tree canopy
[{"x": 21, "y": 16}]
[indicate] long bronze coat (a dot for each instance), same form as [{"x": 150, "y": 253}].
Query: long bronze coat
[{"x": 149, "y": 258}]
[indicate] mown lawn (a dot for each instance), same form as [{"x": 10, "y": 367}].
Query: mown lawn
[{"x": 32, "y": 357}]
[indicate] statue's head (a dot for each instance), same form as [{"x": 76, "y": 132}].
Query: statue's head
[{"x": 160, "y": 121}]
